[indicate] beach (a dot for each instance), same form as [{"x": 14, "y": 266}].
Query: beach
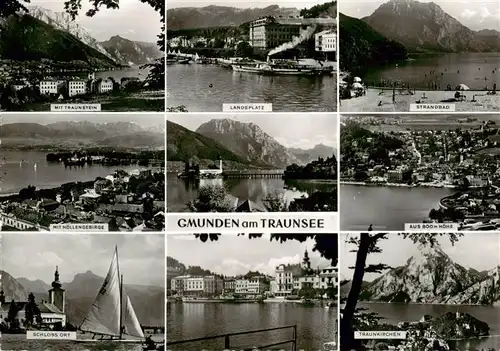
[{"x": 370, "y": 101}]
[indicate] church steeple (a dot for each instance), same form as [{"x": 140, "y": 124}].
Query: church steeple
[
  {"x": 306, "y": 262},
  {"x": 56, "y": 283},
  {"x": 57, "y": 295}
]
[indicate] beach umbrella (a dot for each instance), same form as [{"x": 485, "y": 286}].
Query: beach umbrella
[
  {"x": 463, "y": 87},
  {"x": 357, "y": 79},
  {"x": 357, "y": 86}
]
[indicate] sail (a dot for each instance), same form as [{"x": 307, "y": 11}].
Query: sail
[
  {"x": 130, "y": 322},
  {"x": 104, "y": 315}
]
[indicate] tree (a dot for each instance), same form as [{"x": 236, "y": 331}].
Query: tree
[
  {"x": 243, "y": 49},
  {"x": 32, "y": 312},
  {"x": 211, "y": 199},
  {"x": 12, "y": 316}
]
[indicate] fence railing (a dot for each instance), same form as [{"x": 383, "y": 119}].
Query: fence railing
[{"x": 227, "y": 338}]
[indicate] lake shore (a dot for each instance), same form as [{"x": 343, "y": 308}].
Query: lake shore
[
  {"x": 380, "y": 100},
  {"x": 398, "y": 185}
]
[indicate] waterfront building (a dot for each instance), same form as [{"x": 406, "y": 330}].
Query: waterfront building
[
  {"x": 50, "y": 86},
  {"x": 229, "y": 285},
  {"x": 325, "y": 41},
  {"x": 293, "y": 277},
  {"x": 270, "y": 32},
  {"x": 105, "y": 86},
  {"x": 212, "y": 172},
  {"x": 188, "y": 285},
  {"x": 77, "y": 87},
  {"x": 52, "y": 312},
  {"x": 253, "y": 286}
]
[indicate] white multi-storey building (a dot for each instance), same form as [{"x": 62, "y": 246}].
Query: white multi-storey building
[
  {"x": 326, "y": 41},
  {"x": 254, "y": 286},
  {"x": 77, "y": 87},
  {"x": 105, "y": 86},
  {"x": 196, "y": 286},
  {"x": 50, "y": 86}
]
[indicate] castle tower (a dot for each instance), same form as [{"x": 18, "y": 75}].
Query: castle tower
[{"x": 57, "y": 295}]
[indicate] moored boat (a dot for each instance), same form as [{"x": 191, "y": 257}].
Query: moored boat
[{"x": 281, "y": 69}]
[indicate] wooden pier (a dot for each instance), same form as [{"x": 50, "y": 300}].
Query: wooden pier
[{"x": 268, "y": 173}]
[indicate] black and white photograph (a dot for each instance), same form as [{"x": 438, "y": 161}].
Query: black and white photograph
[
  {"x": 99, "y": 286},
  {"x": 249, "y": 292},
  {"x": 74, "y": 52},
  {"x": 434, "y": 169},
  {"x": 438, "y": 291},
  {"x": 402, "y": 55},
  {"x": 282, "y": 53},
  {"x": 62, "y": 171},
  {"x": 261, "y": 162}
]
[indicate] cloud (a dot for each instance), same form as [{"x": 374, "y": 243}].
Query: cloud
[{"x": 468, "y": 14}]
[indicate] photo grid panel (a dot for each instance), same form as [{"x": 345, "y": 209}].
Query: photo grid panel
[
  {"x": 237, "y": 56},
  {"x": 419, "y": 56},
  {"x": 252, "y": 291},
  {"x": 79, "y": 57},
  {"x": 82, "y": 291},
  {"x": 419, "y": 291},
  {"x": 427, "y": 172},
  {"x": 252, "y": 172},
  {"x": 82, "y": 172}
]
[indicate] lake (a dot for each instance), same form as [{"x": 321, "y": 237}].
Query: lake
[
  {"x": 189, "y": 85},
  {"x": 19, "y": 342},
  {"x": 18, "y": 171},
  {"x": 315, "y": 325},
  {"x": 180, "y": 191},
  {"x": 386, "y": 208},
  {"x": 470, "y": 69},
  {"x": 395, "y": 313}
]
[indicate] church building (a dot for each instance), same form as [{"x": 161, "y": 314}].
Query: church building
[{"x": 52, "y": 311}]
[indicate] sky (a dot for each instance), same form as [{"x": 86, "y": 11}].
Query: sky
[
  {"x": 475, "y": 14},
  {"x": 300, "y": 4},
  {"x": 480, "y": 251},
  {"x": 234, "y": 255},
  {"x": 35, "y": 256},
  {"x": 143, "y": 119},
  {"x": 134, "y": 20},
  {"x": 302, "y": 131}
]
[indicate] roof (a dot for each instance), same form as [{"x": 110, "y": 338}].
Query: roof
[{"x": 49, "y": 308}]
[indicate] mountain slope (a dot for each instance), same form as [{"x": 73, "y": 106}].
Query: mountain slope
[
  {"x": 35, "y": 286},
  {"x": 313, "y": 154},
  {"x": 63, "y": 21},
  {"x": 425, "y": 26},
  {"x": 248, "y": 140},
  {"x": 12, "y": 289},
  {"x": 128, "y": 52},
  {"x": 361, "y": 46},
  {"x": 432, "y": 277},
  {"x": 220, "y": 16},
  {"x": 115, "y": 134},
  {"x": 27, "y": 38},
  {"x": 183, "y": 144}
]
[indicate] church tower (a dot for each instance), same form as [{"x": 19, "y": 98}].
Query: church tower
[
  {"x": 306, "y": 262},
  {"x": 57, "y": 295}
]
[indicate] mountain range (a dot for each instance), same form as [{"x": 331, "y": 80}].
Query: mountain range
[
  {"x": 112, "y": 134},
  {"x": 148, "y": 301},
  {"x": 44, "y": 34},
  {"x": 427, "y": 27},
  {"x": 231, "y": 140},
  {"x": 432, "y": 277},
  {"x": 221, "y": 16}
]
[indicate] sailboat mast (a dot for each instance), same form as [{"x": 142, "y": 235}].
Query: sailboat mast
[
  {"x": 121, "y": 306},
  {"x": 121, "y": 291}
]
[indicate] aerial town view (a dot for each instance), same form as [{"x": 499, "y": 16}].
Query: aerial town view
[
  {"x": 432, "y": 291},
  {"x": 257, "y": 291},
  {"x": 260, "y": 162},
  {"x": 53, "y": 55},
  {"x": 423, "y": 168},
  {"x": 98, "y": 287},
  {"x": 231, "y": 53},
  {"x": 402, "y": 55},
  {"x": 95, "y": 169}
]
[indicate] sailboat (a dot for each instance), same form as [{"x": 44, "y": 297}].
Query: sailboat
[{"x": 112, "y": 316}]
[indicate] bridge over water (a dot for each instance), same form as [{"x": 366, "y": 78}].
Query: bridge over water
[{"x": 257, "y": 173}]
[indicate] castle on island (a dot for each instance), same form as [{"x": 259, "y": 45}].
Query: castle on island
[{"x": 52, "y": 312}]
